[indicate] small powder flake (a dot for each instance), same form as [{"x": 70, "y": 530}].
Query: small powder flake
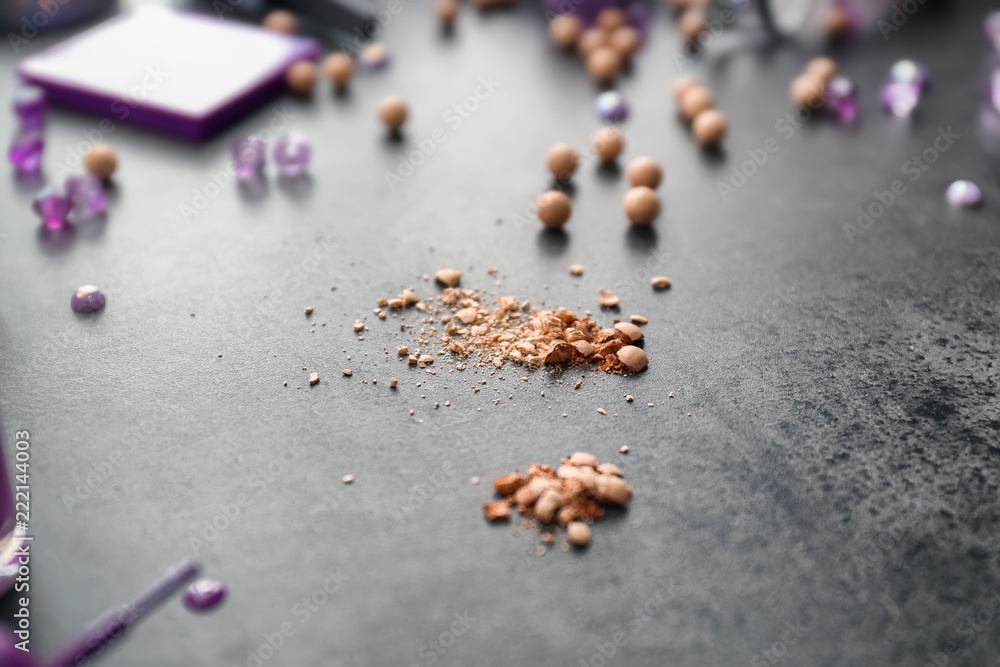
[
  {"x": 348, "y": 372},
  {"x": 313, "y": 378},
  {"x": 347, "y": 479},
  {"x": 602, "y": 411}
]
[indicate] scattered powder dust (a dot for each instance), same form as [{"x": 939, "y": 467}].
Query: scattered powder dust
[{"x": 575, "y": 492}]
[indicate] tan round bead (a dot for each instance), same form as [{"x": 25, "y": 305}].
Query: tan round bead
[
  {"x": 392, "y": 111},
  {"x": 301, "y": 77},
  {"x": 626, "y": 40},
  {"x": 610, "y": 18},
  {"x": 447, "y": 11},
  {"x": 695, "y": 100},
  {"x": 692, "y": 24},
  {"x": 339, "y": 68},
  {"x": 682, "y": 84},
  {"x": 608, "y": 143},
  {"x": 578, "y": 533},
  {"x": 565, "y": 30},
  {"x": 837, "y": 22},
  {"x": 604, "y": 63},
  {"x": 562, "y": 161},
  {"x": 823, "y": 68},
  {"x": 101, "y": 161},
  {"x": 634, "y": 359},
  {"x": 554, "y": 209},
  {"x": 280, "y": 21},
  {"x": 644, "y": 171},
  {"x": 807, "y": 90},
  {"x": 590, "y": 40},
  {"x": 642, "y": 205},
  {"x": 709, "y": 127}
]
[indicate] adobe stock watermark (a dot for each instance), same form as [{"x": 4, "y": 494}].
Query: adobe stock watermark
[
  {"x": 969, "y": 630},
  {"x": 419, "y": 493},
  {"x": 455, "y": 116},
  {"x": 122, "y": 108},
  {"x": 900, "y": 14},
  {"x": 47, "y": 10},
  {"x": 222, "y": 178},
  {"x": 436, "y": 648},
  {"x": 773, "y": 654},
  {"x": 295, "y": 276},
  {"x": 914, "y": 168}
]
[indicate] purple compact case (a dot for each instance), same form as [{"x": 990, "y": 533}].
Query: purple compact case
[{"x": 181, "y": 73}]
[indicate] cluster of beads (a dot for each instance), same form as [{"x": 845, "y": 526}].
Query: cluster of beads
[
  {"x": 902, "y": 91},
  {"x": 28, "y": 144},
  {"x": 291, "y": 153},
  {"x": 80, "y": 198}
]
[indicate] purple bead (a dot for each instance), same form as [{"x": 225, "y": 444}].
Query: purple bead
[
  {"x": 292, "y": 153},
  {"x": 992, "y": 27},
  {"x": 10, "y": 655},
  {"x": 26, "y": 152},
  {"x": 29, "y": 105},
  {"x": 52, "y": 206},
  {"x": 249, "y": 154},
  {"x": 639, "y": 18},
  {"x": 204, "y": 594},
  {"x": 899, "y": 98},
  {"x": 86, "y": 195},
  {"x": 842, "y": 98},
  {"x": 373, "y": 57},
  {"x": 612, "y": 107},
  {"x": 907, "y": 71},
  {"x": 964, "y": 193},
  {"x": 993, "y": 90},
  {"x": 87, "y": 299}
]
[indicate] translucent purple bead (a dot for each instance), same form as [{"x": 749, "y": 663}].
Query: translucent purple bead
[
  {"x": 249, "y": 154},
  {"x": 899, "y": 98},
  {"x": 292, "y": 152},
  {"x": 612, "y": 107},
  {"x": 993, "y": 90},
  {"x": 87, "y": 299},
  {"x": 52, "y": 206},
  {"x": 86, "y": 195},
  {"x": 992, "y": 27},
  {"x": 26, "y": 152},
  {"x": 842, "y": 98},
  {"x": 29, "y": 105},
  {"x": 964, "y": 193},
  {"x": 204, "y": 594},
  {"x": 907, "y": 71}
]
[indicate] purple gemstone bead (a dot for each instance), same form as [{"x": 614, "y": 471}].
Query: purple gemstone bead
[
  {"x": 52, "y": 206},
  {"x": 86, "y": 195},
  {"x": 373, "y": 57},
  {"x": 612, "y": 107},
  {"x": 10, "y": 655},
  {"x": 29, "y": 105},
  {"x": 639, "y": 18},
  {"x": 907, "y": 71},
  {"x": 249, "y": 154},
  {"x": 993, "y": 90},
  {"x": 899, "y": 98},
  {"x": 87, "y": 299},
  {"x": 842, "y": 98},
  {"x": 992, "y": 27},
  {"x": 204, "y": 594},
  {"x": 964, "y": 193},
  {"x": 26, "y": 152},
  {"x": 292, "y": 153}
]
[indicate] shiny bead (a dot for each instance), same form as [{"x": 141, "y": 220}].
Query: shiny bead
[
  {"x": 612, "y": 107},
  {"x": 899, "y": 99},
  {"x": 52, "y": 206},
  {"x": 907, "y": 71},
  {"x": 86, "y": 196},
  {"x": 29, "y": 105},
  {"x": 249, "y": 156},
  {"x": 842, "y": 98},
  {"x": 292, "y": 153},
  {"x": 204, "y": 594},
  {"x": 87, "y": 299},
  {"x": 26, "y": 152},
  {"x": 964, "y": 193},
  {"x": 992, "y": 27},
  {"x": 374, "y": 56}
]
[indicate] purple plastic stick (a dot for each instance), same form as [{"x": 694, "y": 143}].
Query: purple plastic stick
[{"x": 112, "y": 624}]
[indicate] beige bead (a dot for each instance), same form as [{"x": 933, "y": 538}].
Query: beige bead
[
  {"x": 392, "y": 111},
  {"x": 608, "y": 143},
  {"x": 554, "y": 209},
  {"x": 682, "y": 84},
  {"x": 590, "y": 40},
  {"x": 280, "y": 21},
  {"x": 610, "y": 18},
  {"x": 565, "y": 30},
  {"x": 339, "y": 68},
  {"x": 633, "y": 358},
  {"x": 837, "y": 22},
  {"x": 626, "y": 41},
  {"x": 644, "y": 171},
  {"x": 612, "y": 489},
  {"x": 823, "y": 68},
  {"x": 101, "y": 161},
  {"x": 604, "y": 63},
  {"x": 562, "y": 161},
  {"x": 807, "y": 90},
  {"x": 578, "y": 533},
  {"x": 301, "y": 77},
  {"x": 692, "y": 24},
  {"x": 642, "y": 205},
  {"x": 447, "y": 11},
  {"x": 695, "y": 100},
  {"x": 631, "y": 331},
  {"x": 709, "y": 127}
]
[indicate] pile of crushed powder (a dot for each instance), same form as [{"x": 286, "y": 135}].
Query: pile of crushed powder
[{"x": 459, "y": 322}]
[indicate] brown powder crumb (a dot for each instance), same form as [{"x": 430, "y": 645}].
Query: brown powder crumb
[
  {"x": 623, "y": 449},
  {"x": 347, "y": 479},
  {"x": 608, "y": 298},
  {"x": 309, "y": 310},
  {"x": 333, "y": 287},
  {"x": 651, "y": 405},
  {"x": 474, "y": 480},
  {"x": 497, "y": 511},
  {"x": 660, "y": 282},
  {"x": 392, "y": 383},
  {"x": 602, "y": 411},
  {"x": 670, "y": 395},
  {"x": 313, "y": 378},
  {"x": 402, "y": 349},
  {"x": 449, "y": 277},
  {"x": 629, "y": 398},
  {"x": 638, "y": 319},
  {"x": 411, "y": 412},
  {"x": 348, "y": 372},
  {"x": 576, "y": 269},
  {"x": 358, "y": 325},
  {"x": 579, "y": 383},
  {"x": 578, "y": 533},
  {"x": 284, "y": 384}
]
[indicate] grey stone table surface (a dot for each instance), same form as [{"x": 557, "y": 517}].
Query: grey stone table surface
[{"x": 822, "y": 485}]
